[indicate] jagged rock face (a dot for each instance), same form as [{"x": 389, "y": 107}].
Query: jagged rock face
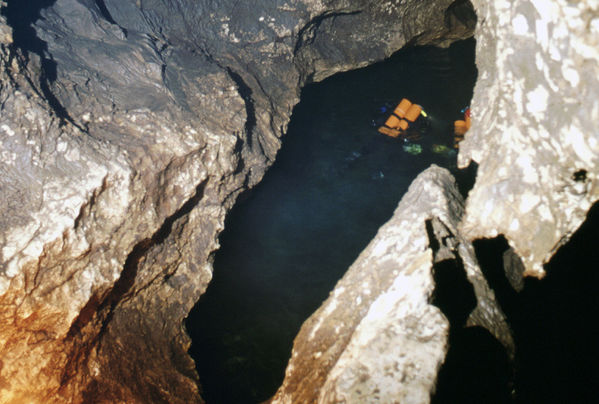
[
  {"x": 537, "y": 148},
  {"x": 123, "y": 146},
  {"x": 534, "y": 130},
  {"x": 378, "y": 338}
]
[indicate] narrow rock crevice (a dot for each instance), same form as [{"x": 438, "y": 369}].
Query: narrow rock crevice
[
  {"x": 442, "y": 241},
  {"x": 129, "y": 273},
  {"x": 250, "y": 110},
  {"x": 477, "y": 367},
  {"x": 87, "y": 206},
  {"x": 465, "y": 178},
  {"x": 100, "y": 310},
  {"x": 307, "y": 33},
  {"x": 104, "y": 11},
  {"x": 454, "y": 294},
  {"x": 492, "y": 254}
]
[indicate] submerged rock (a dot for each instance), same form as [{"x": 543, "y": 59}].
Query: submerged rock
[{"x": 414, "y": 149}]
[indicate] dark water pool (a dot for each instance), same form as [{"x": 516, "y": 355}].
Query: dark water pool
[{"x": 334, "y": 183}]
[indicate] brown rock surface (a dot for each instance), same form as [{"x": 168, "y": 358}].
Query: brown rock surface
[{"x": 124, "y": 141}]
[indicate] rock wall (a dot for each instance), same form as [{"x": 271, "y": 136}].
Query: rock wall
[
  {"x": 127, "y": 136},
  {"x": 127, "y": 131},
  {"x": 534, "y": 134},
  {"x": 378, "y": 337},
  {"x": 537, "y": 149}
]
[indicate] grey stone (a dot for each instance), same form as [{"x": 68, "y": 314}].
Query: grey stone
[
  {"x": 534, "y": 131},
  {"x": 378, "y": 338},
  {"x": 117, "y": 172},
  {"x": 124, "y": 142},
  {"x": 514, "y": 269}
]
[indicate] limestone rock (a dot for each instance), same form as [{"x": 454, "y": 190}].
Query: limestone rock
[
  {"x": 537, "y": 149},
  {"x": 125, "y": 138},
  {"x": 378, "y": 338},
  {"x": 534, "y": 132}
]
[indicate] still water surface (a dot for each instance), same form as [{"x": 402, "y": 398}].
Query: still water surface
[{"x": 336, "y": 180}]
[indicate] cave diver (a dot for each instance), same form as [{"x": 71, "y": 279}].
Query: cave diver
[
  {"x": 408, "y": 121},
  {"x": 404, "y": 121},
  {"x": 461, "y": 126}
]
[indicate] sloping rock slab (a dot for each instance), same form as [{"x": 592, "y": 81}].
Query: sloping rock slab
[{"x": 378, "y": 338}]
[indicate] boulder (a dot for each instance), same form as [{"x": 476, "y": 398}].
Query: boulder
[{"x": 378, "y": 337}]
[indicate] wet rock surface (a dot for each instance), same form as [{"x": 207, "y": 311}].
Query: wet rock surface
[{"x": 127, "y": 132}]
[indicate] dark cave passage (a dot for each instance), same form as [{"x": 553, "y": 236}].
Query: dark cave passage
[
  {"x": 553, "y": 319},
  {"x": 336, "y": 180},
  {"x": 477, "y": 368}
]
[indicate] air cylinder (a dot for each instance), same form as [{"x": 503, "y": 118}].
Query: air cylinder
[
  {"x": 392, "y": 122},
  {"x": 413, "y": 112},
  {"x": 402, "y": 108}
]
